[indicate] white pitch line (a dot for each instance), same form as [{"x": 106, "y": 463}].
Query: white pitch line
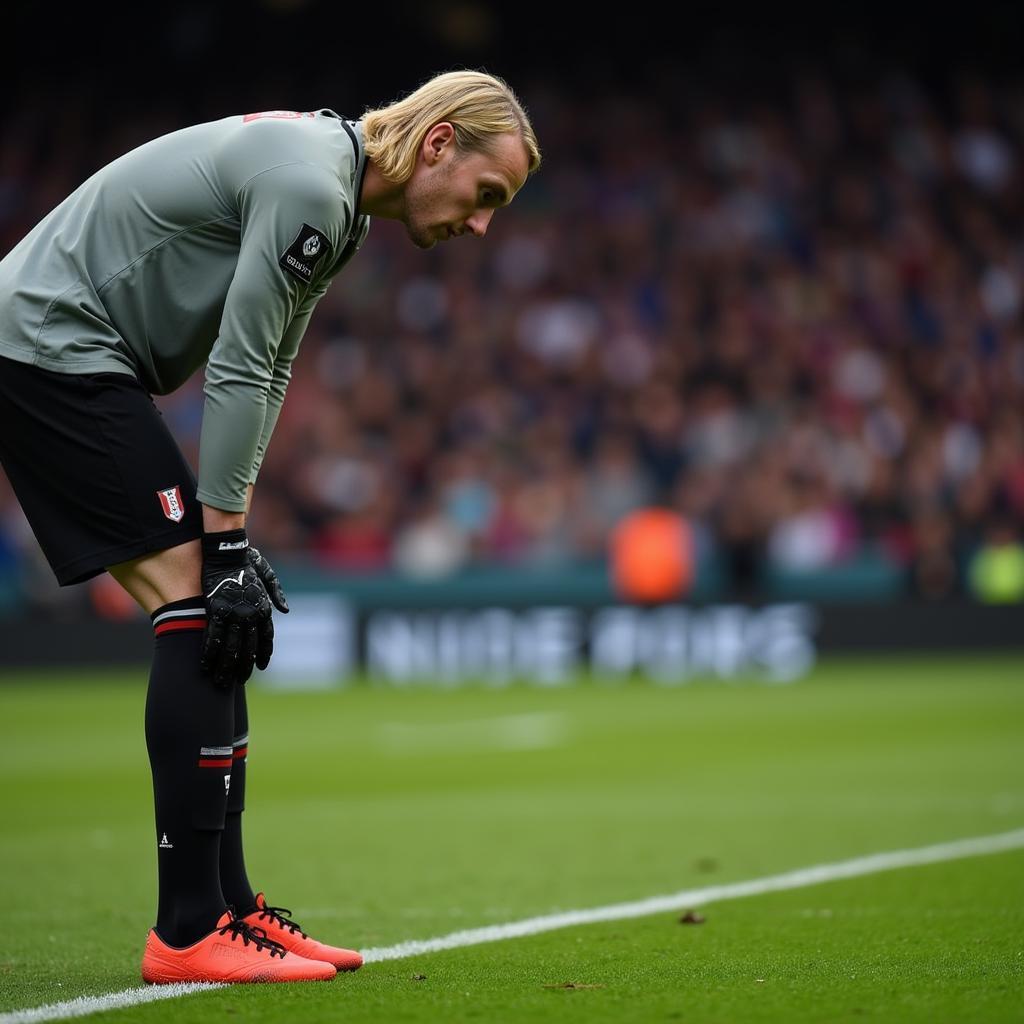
[
  {"x": 687, "y": 898},
  {"x": 536, "y": 730},
  {"x": 85, "y": 1005},
  {"x": 711, "y": 894}
]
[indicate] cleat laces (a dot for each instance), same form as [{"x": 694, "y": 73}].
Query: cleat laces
[
  {"x": 250, "y": 933},
  {"x": 279, "y": 916}
]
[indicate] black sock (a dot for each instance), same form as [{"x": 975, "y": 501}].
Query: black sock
[
  {"x": 233, "y": 878},
  {"x": 189, "y": 724}
]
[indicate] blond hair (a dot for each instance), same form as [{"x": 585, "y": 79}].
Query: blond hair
[{"x": 478, "y": 106}]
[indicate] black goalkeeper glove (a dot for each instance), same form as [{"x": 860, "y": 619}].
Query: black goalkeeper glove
[
  {"x": 238, "y": 587},
  {"x": 270, "y": 581}
]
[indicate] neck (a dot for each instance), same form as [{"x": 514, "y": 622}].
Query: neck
[{"x": 380, "y": 197}]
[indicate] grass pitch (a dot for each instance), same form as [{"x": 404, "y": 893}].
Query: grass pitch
[{"x": 380, "y": 816}]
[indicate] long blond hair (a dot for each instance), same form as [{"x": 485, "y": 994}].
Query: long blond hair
[{"x": 478, "y": 105}]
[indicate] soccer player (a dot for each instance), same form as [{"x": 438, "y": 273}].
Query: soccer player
[{"x": 212, "y": 246}]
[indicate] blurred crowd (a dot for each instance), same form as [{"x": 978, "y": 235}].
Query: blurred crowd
[{"x": 796, "y": 320}]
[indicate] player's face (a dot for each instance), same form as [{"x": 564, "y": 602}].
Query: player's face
[{"x": 458, "y": 193}]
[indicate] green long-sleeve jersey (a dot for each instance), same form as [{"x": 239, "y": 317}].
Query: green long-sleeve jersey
[{"x": 211, "y": 244}]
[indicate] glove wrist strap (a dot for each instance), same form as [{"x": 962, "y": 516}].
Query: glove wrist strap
[{"x": 225, "y": 549}]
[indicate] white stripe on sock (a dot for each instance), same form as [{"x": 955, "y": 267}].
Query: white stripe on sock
[{"x": 180, "y": 613}]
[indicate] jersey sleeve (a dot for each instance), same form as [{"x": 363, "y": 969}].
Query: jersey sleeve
[
  {"x": 293, "y": 219},
  {"x": 283, "y": 372}
]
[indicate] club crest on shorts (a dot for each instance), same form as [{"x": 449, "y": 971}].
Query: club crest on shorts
[{"x": 173, "y": 506}]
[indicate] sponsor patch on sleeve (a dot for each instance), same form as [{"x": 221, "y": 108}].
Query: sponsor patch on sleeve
[{"x": 302, "y": 256}]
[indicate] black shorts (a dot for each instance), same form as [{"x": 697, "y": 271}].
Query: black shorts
[{"x": 98, "y": 474}]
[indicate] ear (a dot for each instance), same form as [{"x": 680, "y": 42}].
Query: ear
[{"x": 439, "y": 138}]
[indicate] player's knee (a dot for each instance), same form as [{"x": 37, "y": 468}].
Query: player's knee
[
  {"x": 181, "y": 569},
  {"x": 160, "y": 577}
]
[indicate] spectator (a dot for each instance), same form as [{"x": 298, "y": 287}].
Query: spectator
[{"x": 798, "y": 317}]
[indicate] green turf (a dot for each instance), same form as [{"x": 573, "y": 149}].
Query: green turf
[{"x": 380, "y": 816}]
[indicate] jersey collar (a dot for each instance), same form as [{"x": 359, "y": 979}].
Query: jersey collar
[{"x": 359, "y": 172}]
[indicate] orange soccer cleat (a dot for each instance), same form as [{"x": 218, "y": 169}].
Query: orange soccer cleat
[
  {"x": 233, "y": 952},
  {"x": 278, "y": 926}
]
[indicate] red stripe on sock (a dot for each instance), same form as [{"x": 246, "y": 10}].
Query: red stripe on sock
[
  {"x": 206, "y": 763},
  {"x": 241, "y": 752},
  {"x": 175, "y": 625}
]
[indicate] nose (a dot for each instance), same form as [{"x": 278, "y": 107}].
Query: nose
[{"x": 478, "y": 222}]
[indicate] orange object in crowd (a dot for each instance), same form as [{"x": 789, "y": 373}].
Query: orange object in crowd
[{"x": 652, "y": 557}]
